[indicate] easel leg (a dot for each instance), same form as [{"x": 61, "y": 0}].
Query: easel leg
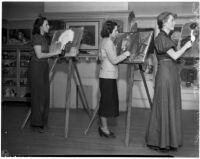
[
  {"x": 145, "y": 85},
  {"x": 26, "y": 118},
  {"x": 51, "y": 70},
  {"x": 81, "y": 90},
  {"x": 81, "y": 96},
  {"x": 68, "y": 90},
  {"x": 93, "y": 117},
  {"x": 130, "y": 76}
]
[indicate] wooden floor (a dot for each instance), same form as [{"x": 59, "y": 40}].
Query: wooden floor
[{"x": 25, "y": 142}]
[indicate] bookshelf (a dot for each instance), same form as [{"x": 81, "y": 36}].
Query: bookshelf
[{"x": 15, "y": 72}]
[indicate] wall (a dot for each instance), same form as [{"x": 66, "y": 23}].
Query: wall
[
  {"x": 21, "y": 14},
  {"x": 152, "y": 9},
  {"x": 85, "y": 6},
  {"x": 21, "y": 10}
]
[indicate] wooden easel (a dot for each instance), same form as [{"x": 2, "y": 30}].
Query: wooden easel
[
  {"x": 130, "y": 79},
  {"x": 72, "y": 72}
]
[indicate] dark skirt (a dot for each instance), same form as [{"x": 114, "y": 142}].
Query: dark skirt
[
  {"x": 109, "y": 102},
  {"x": 164, "y": 129},
  {"x": 40, "y": 92}
]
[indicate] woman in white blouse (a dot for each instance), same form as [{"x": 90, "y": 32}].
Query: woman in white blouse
[{"x": 109, "y": 102}]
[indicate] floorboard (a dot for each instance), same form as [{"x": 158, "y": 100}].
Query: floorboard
[{"x": 26, "y": 142}]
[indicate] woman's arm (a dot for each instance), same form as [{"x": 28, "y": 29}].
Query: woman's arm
[
  {"x": 41, "y": 55},
  {"x": 112, "y": 55},
  {"x": 176, "y": 54}
]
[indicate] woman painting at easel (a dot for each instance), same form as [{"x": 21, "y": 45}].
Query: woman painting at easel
[
  {"x": 39, "y": 74},
  {"x": 164, "y": 129},
  {"x": 109, "y": 102}
]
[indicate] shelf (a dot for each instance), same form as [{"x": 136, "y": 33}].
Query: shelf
[
  {"x": 14, "y": 47},
  {"x": 15, "y": 62},
  {"x": 23, "y": 67},
  {"x": 9, "y": 86},
  {"x": 23, "y": 76},
  {"x": 8, "y": 77},
  {"x": 19, "y": 99},
  {"x": 9, "y": 66},
  {"x": 9, "y": 59},
  {"x": 25, "y": 86}
]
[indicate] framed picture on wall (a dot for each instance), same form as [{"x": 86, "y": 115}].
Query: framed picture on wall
[
  {"x": 19, "y": 36},
  {"x": 90, "y": 39}
]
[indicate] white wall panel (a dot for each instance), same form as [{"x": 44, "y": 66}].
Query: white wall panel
[{"x": 84, "y": 6}]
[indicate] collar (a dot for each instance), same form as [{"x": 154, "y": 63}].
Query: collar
[{"x": 165, "y": 33}]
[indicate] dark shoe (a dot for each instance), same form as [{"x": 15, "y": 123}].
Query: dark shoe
[
  {"x": 39, "y": 129},
  {"x": 103, "y": 134},
  {"x": 173, "y": 149},
  {"x": 156, "y": 148},
  {"x": 164, "y": 150}
]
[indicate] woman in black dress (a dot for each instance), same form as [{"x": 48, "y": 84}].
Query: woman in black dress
[
  {"x": 164, "y": 128},
  {"x": 39, "y": 74}
]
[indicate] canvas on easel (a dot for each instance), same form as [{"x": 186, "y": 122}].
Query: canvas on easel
[
  {"x": 136, "y": 42},
  {"x": 65, "y": 39},
  {"x": 186, "y": 36}
]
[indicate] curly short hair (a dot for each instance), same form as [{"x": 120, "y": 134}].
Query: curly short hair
[
  {"x": 37, "y": 24},
  {"x": 108, "y": 28},
  {"x": 163, "y": 17}
]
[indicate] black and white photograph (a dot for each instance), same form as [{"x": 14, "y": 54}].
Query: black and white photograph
[{"x": 100, "y": 79}]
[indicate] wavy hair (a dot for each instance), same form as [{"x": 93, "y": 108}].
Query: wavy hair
[
  {"x": 108, "y": 28},
  {"x": 37, "y": 24},
  {"x": 163, "y": 17}
]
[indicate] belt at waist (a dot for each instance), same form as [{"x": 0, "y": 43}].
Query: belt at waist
[
  {"x": 165, "y": 60},
  {"x": 34, "y": 58}
]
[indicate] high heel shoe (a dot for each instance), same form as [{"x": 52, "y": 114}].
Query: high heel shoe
[
  {"x": 103, "y": 134},
  {"x": 39, "y": 129},
  {"x": 156, "y": 148}
]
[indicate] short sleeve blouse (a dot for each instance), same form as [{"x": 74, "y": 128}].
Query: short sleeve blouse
[
  {"x": 40, "y": 40},
  {"x": 163, "y": 43}
]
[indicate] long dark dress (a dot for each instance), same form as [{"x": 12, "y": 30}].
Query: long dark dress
[
  {"x": 40, "y": 88},
  {"x": 164, "y": 129}
]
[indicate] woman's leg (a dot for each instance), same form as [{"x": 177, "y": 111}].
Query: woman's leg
[
  {"x": 47, "y": 95},
  {"x": 36, "y": 95},
  {"x": 104, "y": 125}
]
